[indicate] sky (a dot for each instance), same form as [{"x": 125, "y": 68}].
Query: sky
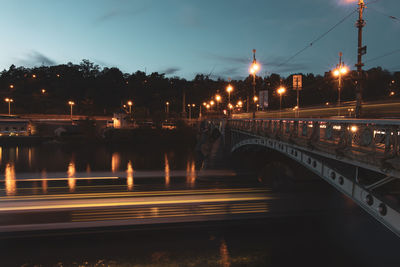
[{"x": 188, "y": 37}]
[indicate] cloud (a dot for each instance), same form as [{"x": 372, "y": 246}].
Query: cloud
[
  {"x": 117, "y": 12},
  {"x": 170, "y": 71},
  {"x": 229, "y": 59},
  {"x": 35, "y": 58}
]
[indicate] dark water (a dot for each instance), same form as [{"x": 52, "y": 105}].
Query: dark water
[{"x": 337, "y": 233}]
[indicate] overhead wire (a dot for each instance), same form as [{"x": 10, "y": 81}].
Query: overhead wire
[
  {"x": 318, "y": 38},
  {"x": 382, "y": 56},
  {"x": 396, "y": 19}
]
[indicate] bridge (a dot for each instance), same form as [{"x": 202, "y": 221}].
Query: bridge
[{"x": 360, "y": 158}]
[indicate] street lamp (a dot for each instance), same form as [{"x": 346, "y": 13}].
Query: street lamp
[
  {"x": 190, "y": 110},
  {"x": 9, "y": 101},
  {"x": 340, "y": 70},
  {"x": 212, "y": 103},
  {"x": 254, "y": 68},
  {"x": 167, "y": 108},
  {"x": 71, "y": 104},
  {"x": 229, "y": 89},
  {"x": 281, "y": 90},
  {"x": 130, "y": 103}
]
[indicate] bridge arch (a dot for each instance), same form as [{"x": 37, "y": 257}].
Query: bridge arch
[{"x": 364, "y": 196}]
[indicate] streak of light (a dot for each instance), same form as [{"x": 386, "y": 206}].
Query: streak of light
[
  {"x": 71, "y": 176},
  {"x": 129, "y": 176},
  {"x": 16, "y": 153},
  {"x": 167, "y": 171},
  {"x": 138, "y": 194},
  {"x": 66, "y": 178},
  {"x": 1, "y": 154},
  {"x": 115, "y": 161},
  {"x": 132, "y": 203},
  {"x": 10, "y": 182},
  {"x": 146, "y": 213}
]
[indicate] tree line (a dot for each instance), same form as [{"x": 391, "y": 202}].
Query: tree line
[{"x": 102, "y": 91}]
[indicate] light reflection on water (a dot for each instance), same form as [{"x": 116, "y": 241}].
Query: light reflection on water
[
  {"x": 115, "y": 161},
  {"x": 167, "y": 171},
  {"x": 44, "y": 182},
  {"x": 129, "y": 176},
  {"x": 47, "y": 160},
  {"x": 191, "y": 172},
  {"x": 10, "y": 181},
  {"x": 71, "y": 176},
  {"x": 30, "y": 157}
]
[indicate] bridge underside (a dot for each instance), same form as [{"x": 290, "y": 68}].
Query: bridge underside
[{"x": 376, "y": 194}]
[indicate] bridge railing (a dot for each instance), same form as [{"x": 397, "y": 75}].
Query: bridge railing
[{"x": 374, "y": 142}]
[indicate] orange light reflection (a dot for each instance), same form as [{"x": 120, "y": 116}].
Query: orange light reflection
[
  {"x": 10, "y": 181},
  {"x": 71, "y": 176},
  {"x": 129, "y": 176},
  {"x": 167, "y": 171},
  {"x": 115, "y": 162},
  {"x": 44, "y": 181}
]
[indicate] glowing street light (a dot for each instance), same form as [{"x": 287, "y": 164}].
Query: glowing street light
[
  {"x": 130, "y": 103},
  {"x": 43, "y": 91},
  {"x": 240, "y": 103},
  {"x": 281, "y": 90},
  {"x": 11, "y": 86},
  {"x": 71, "y": 104},
  {"x": 167, "y": 108},
  {"x": 340, "y": 70},
  {"x": 9, "y": 101},
  {"x": 190, "y": 110},
  {"x": 229, "y": 89},
  {"x": 254, "y": 68},
  {"x": 255, "y": 99}
]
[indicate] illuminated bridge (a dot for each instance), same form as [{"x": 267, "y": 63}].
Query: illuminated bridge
[{"x": 360, "y": 158}]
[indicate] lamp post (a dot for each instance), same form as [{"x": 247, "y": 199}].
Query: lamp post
[
  {"x": 130, "y": 103},
  {"x": 71, "y": 104},
  {"x": 167, "y": 108},
  {"x": 281, "y": 90},
  {"x": 229, "y": 89},
  {"x": 340, "y": 70},
  {"x": 361, "y": 50},
  {"x": 190, "y": 110},
  {"x": 255, "y": 67},
  {"x": 218, "y": 99},
  {"x": 9, "y": 101}
]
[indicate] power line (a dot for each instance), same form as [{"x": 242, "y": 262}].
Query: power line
[
  {"x": 386, "y": 15},
  {"x": 317, "y": 39},
  {"x": 382, "y": 56}
]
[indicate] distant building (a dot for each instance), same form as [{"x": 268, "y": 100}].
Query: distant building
[
  {"x": 15, "y": 127},
  {"x": 121, "y": 120}
]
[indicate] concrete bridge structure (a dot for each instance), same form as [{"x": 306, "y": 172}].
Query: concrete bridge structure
[{"x": 360, "y": 158}]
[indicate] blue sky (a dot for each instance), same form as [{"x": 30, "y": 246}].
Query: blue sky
[{"x": 186, "y": 37}]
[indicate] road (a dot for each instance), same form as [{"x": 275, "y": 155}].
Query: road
[{"x": 376, "y": 109}]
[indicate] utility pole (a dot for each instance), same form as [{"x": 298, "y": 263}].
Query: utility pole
[
  {"x": 362, "y": 50},
  {"x": 183, "y": 104}
]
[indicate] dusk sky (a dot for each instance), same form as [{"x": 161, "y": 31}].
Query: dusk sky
[{"x": 186, "y": 37}]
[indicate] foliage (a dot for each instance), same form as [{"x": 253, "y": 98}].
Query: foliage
[{"x": 99, "y": 91}]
